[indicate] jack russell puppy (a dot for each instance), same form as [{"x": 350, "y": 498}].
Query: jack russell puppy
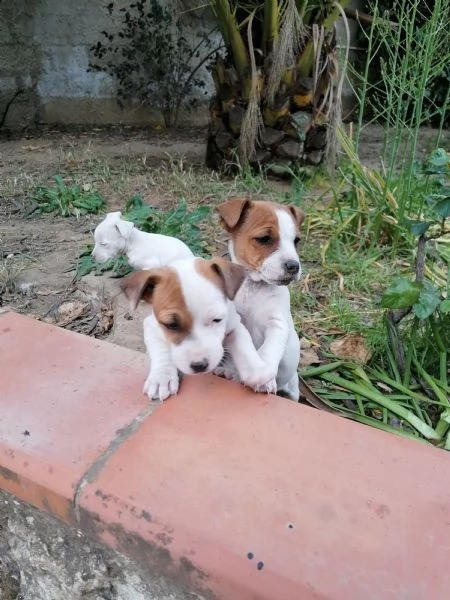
[
  {"x": 194, "y": 323},
  {"x": 264, "y": 238},
  {"x": 116, "y": 237}
]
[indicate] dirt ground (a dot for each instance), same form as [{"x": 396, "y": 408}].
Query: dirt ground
[{"x": 37, "y": 250}]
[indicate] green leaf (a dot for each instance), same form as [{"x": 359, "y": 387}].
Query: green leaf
[
  {"x": 429, "y": 299},
  {"x": 402, "y": 293},
  {"x": 439, "y": 162},
  {"x": 443, "y": 208},
  {"x": 418, "y": 227},
  {"x": 445, "y": 306},
  {"x": 134, "y": 202}
]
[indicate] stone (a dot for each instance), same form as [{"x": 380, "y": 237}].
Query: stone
[
  {"x": 314, "y": 157},
  {"x": 316, "y": 139},
  {"x": 271, "y": 136},
  {"x": 289, "y": 149},
  {"x": 224, "y": 140},
  {"x": 262, "y": 155}
]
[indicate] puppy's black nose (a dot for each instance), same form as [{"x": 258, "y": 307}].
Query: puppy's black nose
[
  {"x": 199, "y": 366},
  {"x": 292, "y": 267}
]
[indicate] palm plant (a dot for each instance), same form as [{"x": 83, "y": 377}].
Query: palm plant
[{"x": 277, "y": 90}]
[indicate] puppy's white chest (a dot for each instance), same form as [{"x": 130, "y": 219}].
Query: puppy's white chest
[{"x": 255, "y": 304}]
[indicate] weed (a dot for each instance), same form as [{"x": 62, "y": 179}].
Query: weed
[
  {"x": 85, "y": 264},
  {"x": 68, "y": 201}
]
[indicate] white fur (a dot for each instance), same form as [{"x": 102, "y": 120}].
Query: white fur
[
  {"x": 207, "y": 341},
  {"x": 263, "y": 302},
  {"x": 115, "y": 237}
]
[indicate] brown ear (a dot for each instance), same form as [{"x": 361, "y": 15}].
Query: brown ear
[
  {"x": 297, "y": 213},
  {"x": 232, "y": 211},
  {"x": 140, "y": 286},
  {"x": 232, "y": 275}
]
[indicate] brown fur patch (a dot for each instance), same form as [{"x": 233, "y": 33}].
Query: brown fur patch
[
  {"x": 162, "y": 289},
  {"x": 247, "y": 220},
  {"x": 256, "y": 220},
  {"x": 226, "y": 275}
]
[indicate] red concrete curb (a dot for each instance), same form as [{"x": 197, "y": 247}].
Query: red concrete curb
[{"x": 235, "y": 495}]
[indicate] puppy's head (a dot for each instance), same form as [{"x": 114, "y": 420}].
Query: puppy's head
[
  {"x": 264, "y": 238},
  {"x": 190, "y": 301},
  {"x": 110, "y": 237}
]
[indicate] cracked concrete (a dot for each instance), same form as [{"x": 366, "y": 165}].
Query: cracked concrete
[{"x": 44, "y": 559}]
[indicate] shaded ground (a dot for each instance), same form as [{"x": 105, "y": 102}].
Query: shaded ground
[{"x": 36, "y": 250}]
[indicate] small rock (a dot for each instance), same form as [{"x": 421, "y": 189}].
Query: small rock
[
  {"x": 289, "y": 149},
  {"x": 314, "y": 157},
  {"x": 271, "y": 136},
  {"x": 261, "y": 156},
  {"x": 224, "y": 140},
  {"x": 316, "y": 140}
]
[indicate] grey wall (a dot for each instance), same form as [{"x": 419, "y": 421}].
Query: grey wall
[{"x": 44, "y": 56}]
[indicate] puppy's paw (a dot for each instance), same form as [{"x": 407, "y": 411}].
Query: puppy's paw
[
  {"x": 269, "y": 387},
  {"x": 227, "y": 372},
  {"x": 161, "y": 384},
  {"x": 260, "y": 378}
]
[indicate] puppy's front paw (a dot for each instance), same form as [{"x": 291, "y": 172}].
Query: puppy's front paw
[
  {"x": 270, "y": 387},
  {"x": 161, "y": 384},
  {"x": 261, "y": 378},
  {"x": 227, "y": 372}
]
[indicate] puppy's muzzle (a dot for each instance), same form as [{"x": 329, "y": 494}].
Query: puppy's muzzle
[
  {"x": 199, "y": 366},
  {"x": 291, "y": 268}
]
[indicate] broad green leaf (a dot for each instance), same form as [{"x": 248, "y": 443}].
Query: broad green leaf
[
  {"x": 445, "y": 306},
  {"x": 402, "y": 293},
  {"x": 439, "y": 162},
  {"x": 443, "y": 208},
  {"x": 429, "y": 299},
  {"x": 418, "y": 227}
]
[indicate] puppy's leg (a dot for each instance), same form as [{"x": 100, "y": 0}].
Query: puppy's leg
[
  {"x": 275, "y": 342},
  {"x": 162, "y": 380},
  {"x": 291, "y": 389},
  {"x": 252, "y": 371}
]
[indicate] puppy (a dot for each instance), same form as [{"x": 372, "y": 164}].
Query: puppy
[
  {"x": 263, "y": 238},
  {"x": 115, "y": 237},
  {"x": 194, "y": 323}
]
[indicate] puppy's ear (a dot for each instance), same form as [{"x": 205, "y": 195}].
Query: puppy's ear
[
  {"x": 297, "y": 213},
  {"x": 231, "y": 275},
  {"x": 114, "y": 216},
  {"x": 140, "y": 286},
  {"x": 232, "y": 211},
  {"x": 124, "y": 228}
]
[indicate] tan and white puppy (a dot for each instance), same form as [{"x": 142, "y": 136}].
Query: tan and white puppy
[
  {"x": 194, "y": 323},
  {"x": 264, "y": 238},
  {"x": 115, "y": 237}
]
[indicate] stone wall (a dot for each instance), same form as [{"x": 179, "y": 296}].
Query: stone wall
[{"x": 44, "y": 58}]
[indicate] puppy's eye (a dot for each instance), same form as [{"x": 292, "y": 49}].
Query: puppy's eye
[
  {"x": 297, "y": 241},
  {"x": 264, "y": 240},
  {"x": 172, "y": 326},
  {"x": 217, "y": 320}
]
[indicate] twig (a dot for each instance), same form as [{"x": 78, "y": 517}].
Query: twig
[{"x": 362, "y": 17}]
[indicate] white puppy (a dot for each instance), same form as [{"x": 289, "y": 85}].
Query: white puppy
[
  {"x": 115, "y": 237},
  {"x": 263, "y": 238},
  {"x": 194, "y": 323}
]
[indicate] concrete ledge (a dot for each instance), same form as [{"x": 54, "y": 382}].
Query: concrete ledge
[{"x": 231, "y": 494}]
